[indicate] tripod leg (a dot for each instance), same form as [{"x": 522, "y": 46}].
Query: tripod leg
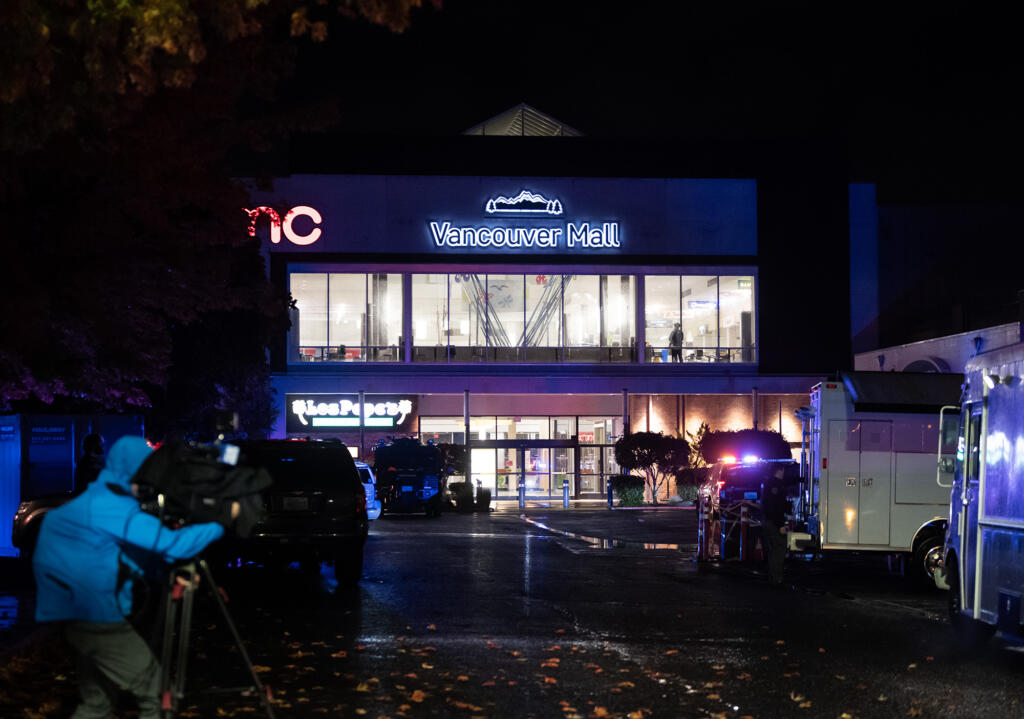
[
  {"x": 167, "y": 698},
  {"x": 263, "y": 692},
  {"x": 187, "y": 599}
]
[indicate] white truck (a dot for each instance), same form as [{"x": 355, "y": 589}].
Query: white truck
[
  {"x": 868, "y": 468},
  {"x": 983, "y": 554}
]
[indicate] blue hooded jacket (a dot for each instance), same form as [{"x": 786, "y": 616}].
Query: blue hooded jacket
[{"x": 82, "y": 544}]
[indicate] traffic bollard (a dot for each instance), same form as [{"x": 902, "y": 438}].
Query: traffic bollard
[
  {"x": 522, "y": 494},
  {"x": 565, "y": 493},
  {"x": 611, "y": 504}
]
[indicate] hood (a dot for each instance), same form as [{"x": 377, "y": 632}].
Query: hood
[{"x": 124, "y": 460}]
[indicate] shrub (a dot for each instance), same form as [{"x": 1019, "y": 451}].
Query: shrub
[
  {"x": 628, "y": 488},
  {"x": 688, "y": 492},
  {"x": 462, "y": 494}
]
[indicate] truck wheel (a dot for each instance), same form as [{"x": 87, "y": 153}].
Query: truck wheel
[
  {"x": 970, "y": 634},
  {"x": 926, "y": 557}
]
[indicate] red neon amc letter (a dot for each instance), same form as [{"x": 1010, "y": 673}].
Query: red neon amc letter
[
  {"x": 302, "y": 239},
  {"x": 276, "y": 225}
]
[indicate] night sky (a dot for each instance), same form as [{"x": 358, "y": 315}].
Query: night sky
[{"x": 923, "y": 96}]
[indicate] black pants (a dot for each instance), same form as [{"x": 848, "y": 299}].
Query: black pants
[
  {"x": 677, "y": 355},
  {"x": 110, "y": 657},
  {"x": 774, "y": 543}
]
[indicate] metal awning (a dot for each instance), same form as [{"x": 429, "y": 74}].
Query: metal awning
[{"x": 903, "y": 391}]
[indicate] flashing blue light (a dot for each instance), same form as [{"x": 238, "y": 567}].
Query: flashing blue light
[{"x": 750, "y": 458}]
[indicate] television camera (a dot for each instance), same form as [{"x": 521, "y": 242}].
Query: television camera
[{"x": 189, "y": 483}]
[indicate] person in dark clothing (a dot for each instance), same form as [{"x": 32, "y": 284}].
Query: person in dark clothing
[
  {"x": 88, "y": 466},
  {"x": 675, "y": 341},
  {"x": 774, "y": 528}
]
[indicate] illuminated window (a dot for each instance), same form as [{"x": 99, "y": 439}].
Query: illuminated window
[
  {"x": 346, "y": 317},
  {"x": 699, "y": 318}
]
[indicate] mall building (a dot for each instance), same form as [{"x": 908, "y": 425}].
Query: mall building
[{"x": 537, "y": 294}]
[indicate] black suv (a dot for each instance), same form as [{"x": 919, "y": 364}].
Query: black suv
[{"x": 315, "y": 509}]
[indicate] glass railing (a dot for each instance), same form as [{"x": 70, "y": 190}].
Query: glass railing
[
  {"x": 661, "y": 355},
  {"x": 350, "y": 353},
  {"x": 514, "y": 355}
]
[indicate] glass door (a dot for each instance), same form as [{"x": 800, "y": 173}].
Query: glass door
[{"x": 537, "y": 471}]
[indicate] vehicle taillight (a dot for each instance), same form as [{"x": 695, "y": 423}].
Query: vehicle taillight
[{"x": 361, "y": 502}]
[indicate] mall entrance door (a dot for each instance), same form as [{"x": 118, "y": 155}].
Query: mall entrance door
[{"x": 542, "y": 465}]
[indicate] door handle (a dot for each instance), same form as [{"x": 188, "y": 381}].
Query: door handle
[
  {"x": 867, "y": 482},
  {"x": 851, "y": 481}
]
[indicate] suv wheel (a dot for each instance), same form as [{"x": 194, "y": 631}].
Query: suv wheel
[{"x": 348, "y": 566}]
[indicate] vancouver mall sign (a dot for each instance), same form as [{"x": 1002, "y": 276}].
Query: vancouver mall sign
[{"x": 539, "y": 234}]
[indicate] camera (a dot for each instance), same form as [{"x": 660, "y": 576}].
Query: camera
[{"x": 189, "y": 483}]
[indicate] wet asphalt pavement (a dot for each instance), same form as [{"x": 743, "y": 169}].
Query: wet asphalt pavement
[{"x": 539, "y": 614}]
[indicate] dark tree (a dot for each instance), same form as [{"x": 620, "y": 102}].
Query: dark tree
[
  {"x": 762, "y": 443},
  {"x": 656, "y": 455},
  {"x": 129, "y": 278}
]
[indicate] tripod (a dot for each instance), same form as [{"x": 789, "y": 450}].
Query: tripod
[{"x": 174, "y": 645}]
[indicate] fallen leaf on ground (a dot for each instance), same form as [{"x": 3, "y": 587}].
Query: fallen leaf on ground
[{"x": 418, "y": 696}]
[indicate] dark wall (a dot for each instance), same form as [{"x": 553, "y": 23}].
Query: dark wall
[
  {"x": 803, "y": 249},
  {"x": 945, "y": 269}
]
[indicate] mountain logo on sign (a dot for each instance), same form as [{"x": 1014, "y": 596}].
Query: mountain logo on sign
[{"x": 525, "y": 203}]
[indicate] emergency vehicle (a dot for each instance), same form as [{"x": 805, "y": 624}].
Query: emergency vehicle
[
  {"x": 868, "y": 467},
  {"x": 983, "y": 553}
]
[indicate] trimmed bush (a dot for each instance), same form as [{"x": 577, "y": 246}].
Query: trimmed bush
[
  {"x": 462, "y": 494},
  {"x": 628, "y": 488}
]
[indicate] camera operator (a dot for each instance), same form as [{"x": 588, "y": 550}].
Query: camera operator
[{"x": 88, "y": 552}]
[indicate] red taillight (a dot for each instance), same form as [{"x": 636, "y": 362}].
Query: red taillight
[
  {"x": 824, "y": 462},
  {"x": 361, "y": 504}
]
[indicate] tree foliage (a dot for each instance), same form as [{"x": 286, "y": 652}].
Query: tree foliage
[
  {"x": 762, "y": 443},
  {"x": 696, "y": 440},
  {"x": 129, "y": 278},
  {"x": 657, "y": 455},
  {"x": 66, "y": 66}
]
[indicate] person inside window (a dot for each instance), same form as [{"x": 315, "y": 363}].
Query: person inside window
[{"x": 675, "y": 341}]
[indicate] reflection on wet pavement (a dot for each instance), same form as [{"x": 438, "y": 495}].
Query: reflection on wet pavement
[{"x": 605, "y": 543}]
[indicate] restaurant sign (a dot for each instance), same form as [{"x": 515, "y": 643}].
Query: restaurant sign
[{"x": 310, "y": 413}]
